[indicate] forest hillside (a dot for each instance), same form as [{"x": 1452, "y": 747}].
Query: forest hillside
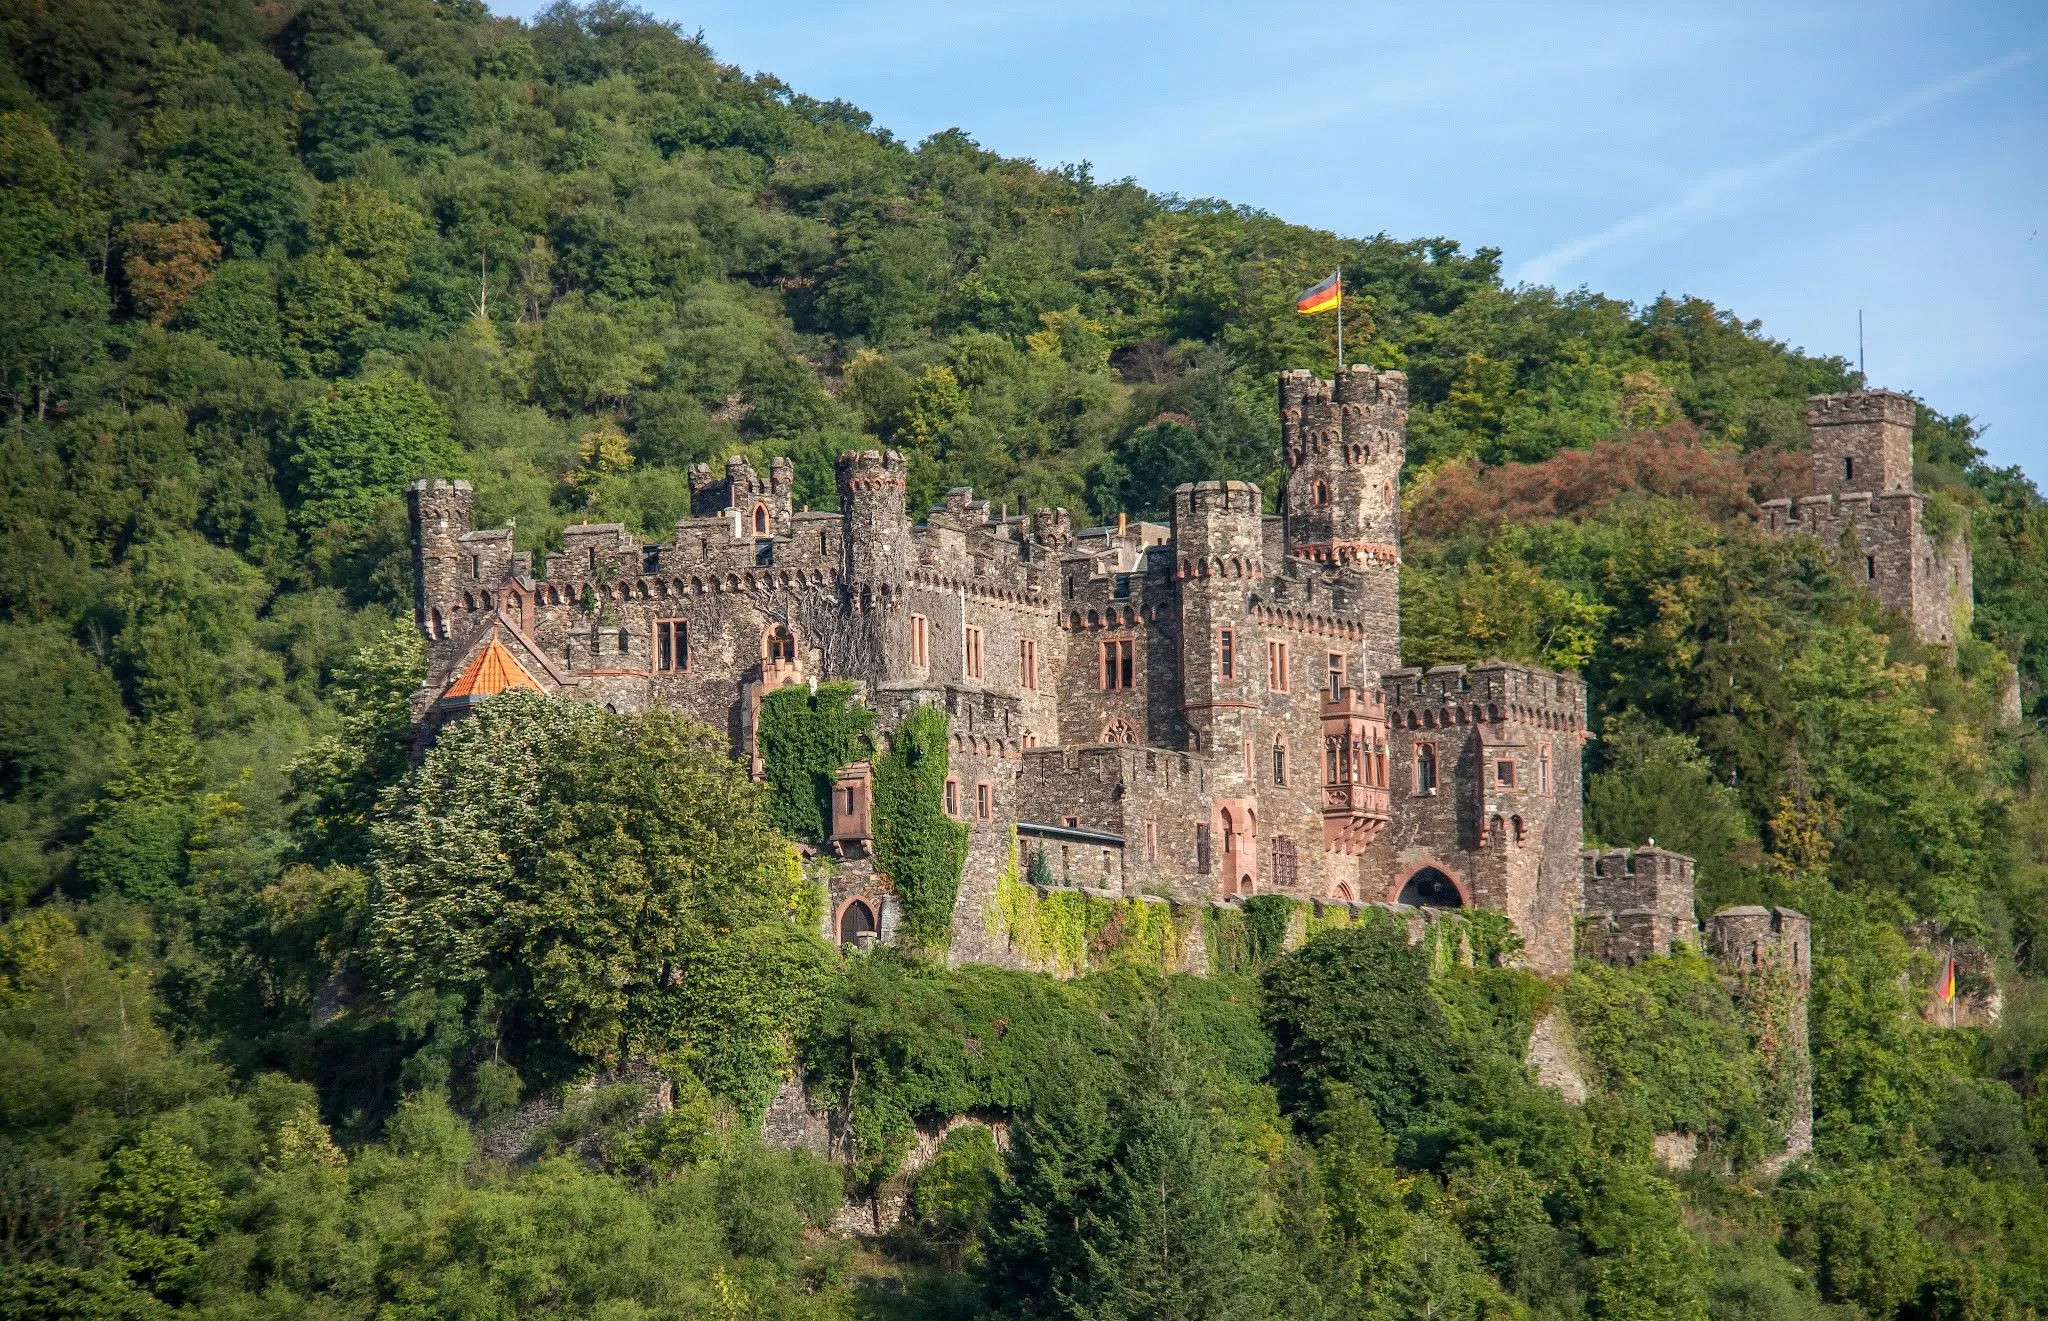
[{"x": 264, "y": 1053}]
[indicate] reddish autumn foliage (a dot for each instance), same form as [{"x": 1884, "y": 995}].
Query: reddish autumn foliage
[
  {"x": 167, "y": 264},
  {"x": 1668, "y": 462}
]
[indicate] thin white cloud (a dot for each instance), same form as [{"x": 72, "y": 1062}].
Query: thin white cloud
[{"x": 1721, "y": 186}]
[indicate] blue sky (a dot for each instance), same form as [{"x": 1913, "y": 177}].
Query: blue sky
[{"x": 1793, "y": 162}]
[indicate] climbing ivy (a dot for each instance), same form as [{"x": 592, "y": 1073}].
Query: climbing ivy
[
  {"x": 805, "y": 738},
  {"x": 1070, "y": 931},
  {"x": 917, "y": 845}
]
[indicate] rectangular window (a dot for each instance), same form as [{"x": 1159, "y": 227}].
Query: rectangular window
[
  {"x": 1027, "y": 665},
  {"x": 983, "y": 793},
  {"x": 764, "y": 552},
  {"x": 1202, "y": 855},
  {"x": 1336, "y": 675},
  {"x": 650, "y": 559},
  {"x": 1504, "y": 773},
  {"x": 1279, "y": 761},
  {"x": 1151, "y": 841},
  {"x": 1118, "y": 669},
  {"x": 1276, "y": 667},
  {"x": 1123, "y": 586},
  {"x": 973, "y": 653},
  {"x": 952, "y": 798},
  {"x": 1870, "y": 566},
  {"x": 1227, "y": 653},
  {"x": 920, "y": 641},
  {"x": 672, "y": 644},
  {"x": 1543, "y": 768}
]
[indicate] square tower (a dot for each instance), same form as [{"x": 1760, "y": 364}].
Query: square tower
[{"x": 1861, "y": 442}]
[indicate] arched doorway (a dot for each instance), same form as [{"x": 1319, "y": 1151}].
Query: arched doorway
[
  {"x": 1244, "y": 883},
  {"x": 1430, "y": 888},
  {"x": 855, "y": 921}
]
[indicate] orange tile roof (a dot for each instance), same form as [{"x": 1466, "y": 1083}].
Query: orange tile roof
[{"x": 492, "y": 671}]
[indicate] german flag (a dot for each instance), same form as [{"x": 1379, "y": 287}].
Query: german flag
[
  {"x": 1946, "y": 988},
  {"x": 1325, "y": 297}
]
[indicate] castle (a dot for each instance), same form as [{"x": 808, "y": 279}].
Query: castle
[{"x": 1194, "y": 713}]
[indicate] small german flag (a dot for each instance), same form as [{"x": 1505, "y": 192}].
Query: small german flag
[
  {"x": 1325, "y": 297},
  {"x": 1947, "y": 988}
]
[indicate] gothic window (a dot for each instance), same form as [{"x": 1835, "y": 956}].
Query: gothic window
[
  {"x": 781, "y": 646},
  {"x": 1280, "y": 760},
  {"x": 671, "y": 644},
  {"x": 1119, "y": 730},
  {"x": 1343, "y": 892},
  {"x": 760, "y": 520},
  {"x": 973, "y": 657},
  {"x": 1244, "y": 883},
  {"x": 1425, "y": 768},
  {"x": 1284, "y": 872},
  {"x": 1229, "y": 834}
]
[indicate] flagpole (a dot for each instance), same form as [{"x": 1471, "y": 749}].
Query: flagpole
[
  {"x": 1339, "y": 277},
  {"x": 1951, "y": 981}
]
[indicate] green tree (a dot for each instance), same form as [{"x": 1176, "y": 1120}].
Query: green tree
[
  {"x": 362, "y": 442},
  {"x": 595, "y": 889},
  {"x": 336, "y": 782}
]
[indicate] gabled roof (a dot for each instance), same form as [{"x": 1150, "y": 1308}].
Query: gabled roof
[{"x": 491, "y": 671}]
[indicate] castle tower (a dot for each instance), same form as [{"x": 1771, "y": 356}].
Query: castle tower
[
  {"x": 1219, "y": 561},
  {"x": 1861, "y": 442},
  {"x": 1768, "y": 952},
  {"x": 1636, "y": 904},
  {"x": 871, "y": 485},
  {"x": 1865, "y": 510},
  {"x": 762, "y": 503},
  {"x": 440, "y": 512},
  {"x": 1344, "y": 442}
]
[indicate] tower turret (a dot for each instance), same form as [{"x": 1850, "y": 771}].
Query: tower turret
[
  {"x": 1345, "y": 441},
  {"x": 1861, "y": 442},
  {"x": 877, "y": 540},
  {"x": 441, "y": 513}
]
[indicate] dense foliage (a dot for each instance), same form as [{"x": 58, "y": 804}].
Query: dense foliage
[{"x": 291, "y": 1025}]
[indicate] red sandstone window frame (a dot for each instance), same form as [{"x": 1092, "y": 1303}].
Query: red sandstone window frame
[
  {"x": 1226, "y": 652},
  {"x": 1425, "y": 748},
  {"x": 920, "y": 642},
  {"x": 984, "y": 800},
  {"x": 1336, "y": 671},
  {"x": 953, "y": 798},
  {"x": 1278, "y": 668},
  {"x": 1027, "y": 664},
  {"x": 1504, "y": 772},
  {"x": 760, "y": 520},
  {"x": 671, "y": 645},
  {"x": 973, "y": 645},
  {"x": 1118, "y": 665}
]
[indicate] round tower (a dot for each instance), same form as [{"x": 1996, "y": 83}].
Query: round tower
[
  {"x": 877, "y": 541},
  {"x": 441, "y": 513}
]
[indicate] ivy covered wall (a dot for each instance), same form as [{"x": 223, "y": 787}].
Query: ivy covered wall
[
  {"x": 917, "y": 845},
  {"x": 805, "y": 738}
]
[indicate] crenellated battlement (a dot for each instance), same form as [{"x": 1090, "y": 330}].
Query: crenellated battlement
[
  {"x": 1861, "y": 407},
  {"x": 871, "y": 470},
  {"x": 1492, "y": 692}
]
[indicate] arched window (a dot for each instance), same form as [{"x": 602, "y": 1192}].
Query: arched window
[
  {"x": 1425, "y": 768},
  {"x": 1322, "y": 493},
  {"x": 1229, "y": 833},
  {"x": 440, "y": 624},
  {"x": 1280, "y": 759},
  {"x": 1244, "y": 883},
  {"x": 1343, "y": 891},
  {"x": 781, "y": 646},
  {"x": 856, "y": 921},
  {"x": 625, "y": 645},
  {"x": 760, "y": 520},
  {"x": 1430, "y": 888}
]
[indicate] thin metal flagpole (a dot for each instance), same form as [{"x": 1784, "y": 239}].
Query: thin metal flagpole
[
  {"x": 1951, "y": 981},
  {"x": 1338, "y": 276}
]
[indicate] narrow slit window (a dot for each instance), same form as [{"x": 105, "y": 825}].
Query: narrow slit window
[
  {"x": 920, "y": 641},
  {"x": 1226, "y": 652}
]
